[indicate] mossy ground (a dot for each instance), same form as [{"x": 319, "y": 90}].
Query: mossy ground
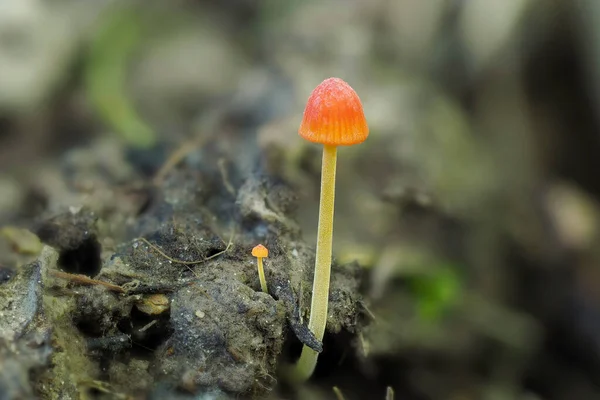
[{"x": 190, "y": 314}]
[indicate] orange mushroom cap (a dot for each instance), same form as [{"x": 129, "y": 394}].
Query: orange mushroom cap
[
  {"x": 334, "y": 115},
  {"x": 260, "y": 251}
]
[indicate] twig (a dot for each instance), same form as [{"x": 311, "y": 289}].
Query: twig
[
  {"x": 187, "y": 263},
  {"x": 162, "y": 253},
  {"x": 369, "y": 312},
  {"x": 147, "y": 326},
  {"x": 225, "y": 176},
  {"x": 366, "y": 347},
  {"x": 338, "y": 393},
  {"x": 389, "y": 393},
  {"x": 85, "y": 280},
  {"x": 176, "y": 157}
]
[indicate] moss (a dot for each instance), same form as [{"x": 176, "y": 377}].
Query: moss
[{"x": 70, "y": 365}]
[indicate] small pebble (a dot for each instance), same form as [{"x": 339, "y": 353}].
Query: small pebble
[{"x": 153, "y": 304}]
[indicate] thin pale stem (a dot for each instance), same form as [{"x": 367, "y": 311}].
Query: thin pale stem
[
  {"x": 320, "y": 293},
  {"x": 261, "y": 275}
]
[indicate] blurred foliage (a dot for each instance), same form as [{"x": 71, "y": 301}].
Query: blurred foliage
[
  {"x": 436, "y": 292},
  {"x": 106, "y": 73}
]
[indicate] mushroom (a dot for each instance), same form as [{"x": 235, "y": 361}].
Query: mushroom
[
  {"x": 333, "y": 117},
  {"x": 261, "y": 252}
]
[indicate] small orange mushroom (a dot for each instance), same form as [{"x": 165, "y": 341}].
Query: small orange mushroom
[
  {"x": 261, "y": 252},
  {"x": 333, "y": 117}
]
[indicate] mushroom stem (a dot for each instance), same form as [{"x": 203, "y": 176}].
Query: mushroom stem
[
  {"x": 320, "y": 293},
  {"x": 261, "y": 275}
]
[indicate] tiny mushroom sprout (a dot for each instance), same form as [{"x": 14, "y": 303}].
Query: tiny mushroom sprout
[
  {"x": 333, "y": 117},
  {"x": 261, "y": 252}
]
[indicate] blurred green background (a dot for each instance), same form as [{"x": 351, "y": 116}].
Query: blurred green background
[{"x": 472, "y": 207}]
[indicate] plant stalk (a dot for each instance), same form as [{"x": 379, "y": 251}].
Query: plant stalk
[
  {"x": 320, "y": 293},
  {"x": 261, "y": 275}
]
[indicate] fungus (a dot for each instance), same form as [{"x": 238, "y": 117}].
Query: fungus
[
  {"x": 261, "y": 252},
  {"x": 333, "y": 117}
]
